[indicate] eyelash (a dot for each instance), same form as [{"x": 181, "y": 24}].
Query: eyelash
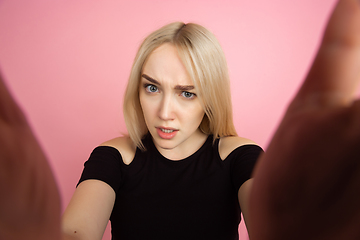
[{"x": 148, "y": 86}]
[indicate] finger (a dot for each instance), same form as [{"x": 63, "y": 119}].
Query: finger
[
  {"x": 29, "y": 198},
  {"x": 9, "y": 110},
  {"x": 334, "y": 75}
]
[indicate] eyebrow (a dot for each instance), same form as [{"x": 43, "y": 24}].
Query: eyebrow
[{"x": 177, "y": 87}]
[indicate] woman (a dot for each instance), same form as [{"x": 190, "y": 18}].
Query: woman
[
  {"x": 309, "y": 175},
  {"x": 182, "y": 172}
]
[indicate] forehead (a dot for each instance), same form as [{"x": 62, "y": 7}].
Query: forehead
[{"x": 164, "y": 64}]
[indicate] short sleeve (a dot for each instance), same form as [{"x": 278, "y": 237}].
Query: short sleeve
[
  {"x": 104, "y": 164},
  {"x": 243, "y": 160}
]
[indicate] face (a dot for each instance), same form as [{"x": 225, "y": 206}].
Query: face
[{"x": 171, "y": 108}]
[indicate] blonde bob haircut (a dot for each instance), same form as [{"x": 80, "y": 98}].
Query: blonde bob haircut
[{"x": 205, "y": 62}]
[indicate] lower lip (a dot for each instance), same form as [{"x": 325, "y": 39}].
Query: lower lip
[{"x": 165, "y": 135}]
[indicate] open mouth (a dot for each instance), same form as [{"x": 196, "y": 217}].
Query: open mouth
[
  {"x": 166, "y": 133},
  {"x": 166, "y": 130}
]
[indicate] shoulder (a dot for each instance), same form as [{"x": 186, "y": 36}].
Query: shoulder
[
  {"x": 229, "y": 144},
  {"x": 125, "y": 146}
]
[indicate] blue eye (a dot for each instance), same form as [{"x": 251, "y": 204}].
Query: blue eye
[
  {"x": 188, "y": 95},
  {"x": 151, "y": 88}
]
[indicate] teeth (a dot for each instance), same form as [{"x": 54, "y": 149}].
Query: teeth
[{"x": 166, "y": 130}]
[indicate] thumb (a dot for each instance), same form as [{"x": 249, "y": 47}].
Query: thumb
[{"x": 334, "y": 75}]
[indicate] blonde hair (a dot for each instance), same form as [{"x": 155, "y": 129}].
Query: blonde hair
[{"x": 205, "y": 62}]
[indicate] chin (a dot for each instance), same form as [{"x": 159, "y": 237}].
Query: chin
[{"x": 165, "y": 144}]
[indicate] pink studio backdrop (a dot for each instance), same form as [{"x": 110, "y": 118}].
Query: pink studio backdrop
[{"x": 67, "y": 63}]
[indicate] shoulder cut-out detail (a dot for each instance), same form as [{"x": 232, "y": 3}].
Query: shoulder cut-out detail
[
  {"x": 229, "y": 144},
  {"x": 125, "y": 146}
]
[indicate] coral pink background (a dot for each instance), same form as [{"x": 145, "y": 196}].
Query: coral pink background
[{"x": 67, "y": 63}]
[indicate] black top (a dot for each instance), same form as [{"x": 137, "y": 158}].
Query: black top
[{"x": 158, "y": 198}]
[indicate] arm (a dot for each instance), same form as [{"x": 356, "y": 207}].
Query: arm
[
  {"x": 29, "y": 197},
  {"x": 88, "y": 212},
  {"x": 243, "y": 196},
  {"x": 226, "y": 146},
  {"x": 306, "y": 184}
]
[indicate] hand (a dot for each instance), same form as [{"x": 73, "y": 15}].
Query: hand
[
  {"x": 307, "y": 184},
  {"x": 29, "y": 199}
]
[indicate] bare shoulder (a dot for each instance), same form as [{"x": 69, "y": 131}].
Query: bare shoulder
[
  {"x": 228, "y": 144},
  {"x": 125, "y": 146}
]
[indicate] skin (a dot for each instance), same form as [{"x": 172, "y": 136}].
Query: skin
[
  {"x": 165, "y": 104},
  {"x": 305, "y": 186},
  {"x": 29, "y": 199}
]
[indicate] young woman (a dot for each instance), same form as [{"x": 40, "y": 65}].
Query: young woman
[
  {"x": 178, "y": 171},
  {"x": 182, "y": 173}
]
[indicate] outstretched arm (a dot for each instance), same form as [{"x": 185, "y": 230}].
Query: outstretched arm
[
  {"x": 29, "y": 198},
  {"x": 307, "y": 184}
]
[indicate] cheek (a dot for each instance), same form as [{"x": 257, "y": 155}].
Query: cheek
[
  {"x": 199, "y": 110},
  {"x": 144, "y": 106},
  {"x": 201, "y": 117},
  {"x": 197, "y": 114}
]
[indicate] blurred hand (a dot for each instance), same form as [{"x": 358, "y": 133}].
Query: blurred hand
[
  {"x": 307, "y": 184},
  {"x": 29, "y": 198}
]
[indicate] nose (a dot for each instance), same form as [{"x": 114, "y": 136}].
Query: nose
[{"x": 166, "y": 111}]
